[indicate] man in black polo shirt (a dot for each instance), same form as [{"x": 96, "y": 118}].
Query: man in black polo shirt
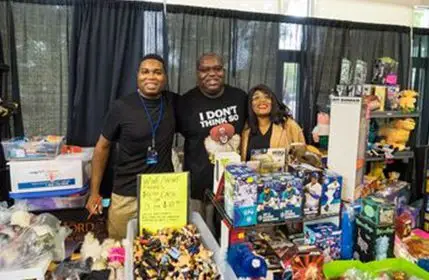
[
  {"x": 211, "y": 117},
  {"x": 143, "y": 125}
]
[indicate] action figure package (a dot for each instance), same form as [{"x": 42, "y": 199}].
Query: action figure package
[
  {"x": 345, "y": 72},
  {"x": 241, "y": 193},
  {"x": 312, "y": 179},
  {"x": 378, "y": 210},
  {"x": 373, "y": 242},
  {"x": 271, "y": 160},
  {"x": 270, "y": 190},
  {"x": 327, "y": 237},
  {"x": 292, "y": 196},
  {"x": 392, "y": 101},
  {"x": 360, "y": 73},
  {"x": 385, "y": 71},
  {"x": 331, "y": 193}
]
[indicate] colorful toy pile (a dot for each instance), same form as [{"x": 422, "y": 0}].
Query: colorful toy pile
[{"x": 173, "y": 254}]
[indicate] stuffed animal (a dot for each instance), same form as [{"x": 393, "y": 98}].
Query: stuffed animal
[
  {"x": 301, "y": 153},
  {"x": 91, "y": 247},
  {"x": 398, "y": 133},
  {"x": 322, "y": 127},
  {"x": 407, "y": 101},
  {"x": 377, "y": 171}
]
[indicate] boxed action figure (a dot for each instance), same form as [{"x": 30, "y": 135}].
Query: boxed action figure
[
  {"x": 241, "y": 194},
  {"x": 312, "y": 179},
  {"x": 373, "y": 242},
  {"x": 327, "y": 237},
  {"x": 271, "y": 160},
  {"x": 378, "y": 210},
  {"x": 269, "y": 207},
  {"x": 331, "y": 193},
  {"x": 292, "y": 196}
]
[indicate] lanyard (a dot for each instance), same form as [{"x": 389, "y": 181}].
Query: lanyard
[{"x": 154, "y": 127}]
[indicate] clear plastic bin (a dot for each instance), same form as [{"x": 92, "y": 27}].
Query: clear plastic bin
[
  {"x": 207, "y": 238},
  {"x": 36, "y": 148},
  {"x": 55, "y": 203}
]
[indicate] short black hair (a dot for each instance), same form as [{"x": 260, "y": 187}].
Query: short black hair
[
  {"x": 155, "y": 57},
  {"x": 279, "y": 111},
  {"x": 209, "y": 54}
]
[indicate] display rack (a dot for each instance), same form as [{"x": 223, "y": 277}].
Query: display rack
[
  {"x": 222, "y": 213},
  {"x": 396, "y": 156},
  {"x": 393, "y": 114}
]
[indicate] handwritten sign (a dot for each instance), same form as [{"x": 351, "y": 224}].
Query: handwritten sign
[{"x": 163, "y": 201}]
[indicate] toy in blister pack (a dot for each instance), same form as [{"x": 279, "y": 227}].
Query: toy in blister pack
[
  {"x": 385, "y": 71},
  {"x": 345, "y": 75},
  {"x": 331, "y": 193},
  {"x": 392, "y": 101},
  {"x": 348, "y": 229},
  {"x": 241, "y": 194},
  {"x": 360, "y": 73},
  {"x": 380, "y": 93}
]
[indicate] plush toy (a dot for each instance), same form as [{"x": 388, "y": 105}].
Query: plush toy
[
  {"x": 377, "y": 171},
  {"x": 301, "y": 153},
  {"x": 407, "y": 101},
  {"x": 321, "y": 130},
  {"x": 398, "y": 133},
  {"x": 91, "y": 247}
]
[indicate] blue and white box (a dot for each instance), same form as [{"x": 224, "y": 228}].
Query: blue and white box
[
  {"x": 292, "y": 196},
  {"x": 270, "y": 189},
  {"x": 327, "y": 237},
  {"x": 241, "y": 193},
  {"x": 330, "y": 202}
]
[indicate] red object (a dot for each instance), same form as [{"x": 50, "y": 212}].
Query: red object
[
  {"x": 403, "y": 225},
  {"x": 237, "y": 236},
  {"x": 69, "y": 149},
  {"x": 220, "y": 188},
  {"x": 225, "y": 129},
  {"x": 307, "y": 266}
]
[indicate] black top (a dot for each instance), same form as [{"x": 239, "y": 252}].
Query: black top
[
  {"x": 201, "y": 120},
  {"x": 127, "y": 124},
  {"x": 258, "y": 141}
]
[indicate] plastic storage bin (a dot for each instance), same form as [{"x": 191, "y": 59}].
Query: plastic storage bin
[
  {"x": 207, "y": 238},
  {"x": 35, "y": 148}
]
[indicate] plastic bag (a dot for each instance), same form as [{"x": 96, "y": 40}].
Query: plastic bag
[{"x": 71, "y": 270}]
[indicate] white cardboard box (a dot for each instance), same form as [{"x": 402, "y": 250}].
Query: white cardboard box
[
  {"x": 221, "y": 161},
  {"x": 48, "y": 175}
]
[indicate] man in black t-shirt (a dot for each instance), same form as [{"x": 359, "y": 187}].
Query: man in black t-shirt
[
  {"x": 143, "y": 126},
  {"x": 211, "y": 117}
]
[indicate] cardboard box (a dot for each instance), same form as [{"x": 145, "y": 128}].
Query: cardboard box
[
  {"x": 292, "y": 197},
  {"x": 221, "y": 161},
  {"x": 47, "y": 175},
  {"x": 327, "y": 237},
  {"x": 241, "y": 194},
  {"x": 378, "y": 210},
  {"x": 373, "y": 242},
  {"x": 380, "y": 92},
  {"x": 392, "y": 100},
  {"x": 271, "y": 160},
  {"x": 331, "y": 193},
  {"x": 312, "y": 180},
  {"x": 270, "y": 190}
]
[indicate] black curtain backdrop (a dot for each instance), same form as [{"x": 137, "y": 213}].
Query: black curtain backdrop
[{"x": 108, "y": 39}]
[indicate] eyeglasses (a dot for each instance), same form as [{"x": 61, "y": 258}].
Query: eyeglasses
[{"x": 204, "y": 69}]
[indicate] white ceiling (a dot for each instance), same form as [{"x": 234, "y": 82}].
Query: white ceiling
[{"x": 404, "y": 2}]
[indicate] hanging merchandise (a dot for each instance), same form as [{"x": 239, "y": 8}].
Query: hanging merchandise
[{"x": 385, "y": 71}]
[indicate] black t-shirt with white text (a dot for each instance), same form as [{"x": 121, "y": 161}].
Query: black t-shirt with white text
[
  {"x": 209, "y": 125},
  {"x": 127, "y": 123}
]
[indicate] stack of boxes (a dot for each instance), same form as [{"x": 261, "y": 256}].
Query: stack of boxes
[
  {"x": 43, "y": 178},
  {"x": 375, "y": 230}
]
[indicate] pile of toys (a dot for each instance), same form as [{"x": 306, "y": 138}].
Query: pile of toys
[
  {"x": 305, "y": 191},
  {"x": 173, "y": 254}
]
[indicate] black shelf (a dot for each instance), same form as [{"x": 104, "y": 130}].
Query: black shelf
[
  {"x": 221, "y": 210},
  {"x": 397, "y": 155},
  {"x": 393, "y": 114}
]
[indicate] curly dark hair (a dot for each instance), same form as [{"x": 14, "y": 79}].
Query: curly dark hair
[{"x": 279, "y": 111}]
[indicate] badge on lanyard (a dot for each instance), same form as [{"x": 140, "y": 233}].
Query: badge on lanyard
[{"x": 152, "y": 154}]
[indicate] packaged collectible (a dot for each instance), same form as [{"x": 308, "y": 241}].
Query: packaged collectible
[
  {"x": 221, "y": 160},
  {"x": 373, "y": 242},
  {"x": 331, "y": 193},
  {"x": 312, "y": 179},
  {"x": 292, "y": 196},
  {"x": 392, "y": 101},
  {"x": 241, "y": 193},
  {"x": 380, "y": 92},
  {"x": 360, "y": 73},
  {"x": 412, "y": 212},
  {"x": 271, "y": 160},
  {"x": 270, "y": 191},
  {"x": 378, "y": 210},
  {"x": 327, "y": 237},
  {"x": 345, "y": 72}
]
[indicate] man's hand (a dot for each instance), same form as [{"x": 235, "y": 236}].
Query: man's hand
[{"x": 94, "y": 205}]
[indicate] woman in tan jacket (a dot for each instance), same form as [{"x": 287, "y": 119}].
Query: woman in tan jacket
[{"x": 270, "y": 124}]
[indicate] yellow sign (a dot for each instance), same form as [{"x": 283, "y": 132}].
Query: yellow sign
[{"x": 162, "y": 201}]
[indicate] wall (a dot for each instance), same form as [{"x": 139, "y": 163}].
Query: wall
[
  {"x": 364, "y": 11},
  {"x": 262, "y": 6}
]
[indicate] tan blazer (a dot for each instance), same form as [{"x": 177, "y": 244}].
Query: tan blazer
[{"x": 281, "y": 136}]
